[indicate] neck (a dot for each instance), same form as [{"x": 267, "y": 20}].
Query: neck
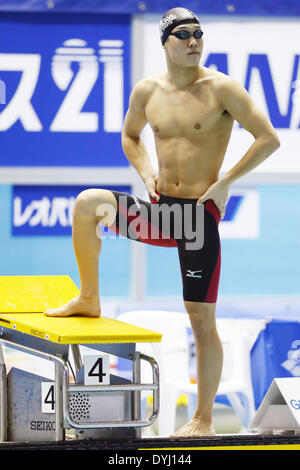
[{"x": 180, "y": 75}]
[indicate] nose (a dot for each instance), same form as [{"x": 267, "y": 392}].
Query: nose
[{"x": 193, "y": 42}]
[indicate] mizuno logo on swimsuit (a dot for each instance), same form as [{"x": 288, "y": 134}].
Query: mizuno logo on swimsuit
[{"x": 191, "y": 273}]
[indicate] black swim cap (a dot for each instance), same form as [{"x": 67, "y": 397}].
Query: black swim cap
[{"x": 173, "y": 18}]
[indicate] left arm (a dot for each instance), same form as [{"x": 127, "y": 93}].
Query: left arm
[{"x": 238, "y": 103}]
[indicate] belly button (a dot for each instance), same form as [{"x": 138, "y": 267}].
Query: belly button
[
  {"x": 197, "y": 126},
  {"x": 177, "y": 184}
]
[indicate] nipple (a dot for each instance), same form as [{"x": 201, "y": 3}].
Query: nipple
[{"x": 156, "y": 129}]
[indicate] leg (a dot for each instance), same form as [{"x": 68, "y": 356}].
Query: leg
[
  {"x": 209, "y": 367},
  {"x": 200, "y": 272},
  {"x": 91, "y": 207}
]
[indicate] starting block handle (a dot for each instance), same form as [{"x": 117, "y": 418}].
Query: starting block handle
[
  {"x": 136, "y": 423},
  {"x": 112, "y": 388},
  {"x": 155, "y": 372}
]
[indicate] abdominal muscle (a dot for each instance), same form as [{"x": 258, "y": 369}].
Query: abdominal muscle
[{"x": 187, "y": 171}]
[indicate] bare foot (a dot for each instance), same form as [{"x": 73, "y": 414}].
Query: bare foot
[
  {"x": 195, "y": 428},
  {"x": 77, "y": 306}
]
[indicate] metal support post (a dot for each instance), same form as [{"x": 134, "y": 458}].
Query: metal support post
[
  {"x": 59, "y": 427},
  {"x": 77, "y": 357},
  {"x": 136, "y": 376}
]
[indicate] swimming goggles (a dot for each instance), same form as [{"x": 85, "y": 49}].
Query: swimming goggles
[{"x": 185, "y": 34}]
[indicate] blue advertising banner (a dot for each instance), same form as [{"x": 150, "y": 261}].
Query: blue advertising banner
[
  {"x": 67, "y": 82},
  {"x": 46, "y": 210}
]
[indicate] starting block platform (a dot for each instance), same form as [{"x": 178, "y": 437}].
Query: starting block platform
[{"x": 94, "y": 407}]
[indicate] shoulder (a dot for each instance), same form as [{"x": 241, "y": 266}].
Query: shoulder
[
  {"x": 233, "y": 97},
  {"x": 144, "y": 88},
  {"x": 227, "y": 90},
  {"x": 226, "y": 87},
  {"x": 220, "y": 81}
]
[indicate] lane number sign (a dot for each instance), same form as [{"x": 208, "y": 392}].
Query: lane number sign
[
  {"x": 48, "y": 397},
  {"x": 96, "y": 370}
]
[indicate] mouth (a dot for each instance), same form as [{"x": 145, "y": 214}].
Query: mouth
[{"x": 193, "y": 53}]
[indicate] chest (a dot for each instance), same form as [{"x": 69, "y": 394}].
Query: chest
[{"x": 183, "y": 113}]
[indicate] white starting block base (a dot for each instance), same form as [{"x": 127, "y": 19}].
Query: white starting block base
[{"x": 280, "y": 409}]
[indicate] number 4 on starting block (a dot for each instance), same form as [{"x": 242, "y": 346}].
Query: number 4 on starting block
[
  {"x": 96, "y": 370},
  {"x": 48, "y": 397}
]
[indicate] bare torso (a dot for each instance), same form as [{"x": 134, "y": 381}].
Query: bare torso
[{"x": 191, "y": 131}]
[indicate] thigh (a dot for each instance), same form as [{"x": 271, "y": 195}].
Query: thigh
[
  {"x": 133, "y": 216},
  {"x": 200, "y": 268},
  {"x": 139, "y": 220}
]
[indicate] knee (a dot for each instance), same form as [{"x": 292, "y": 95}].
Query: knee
[
  {"x": 82, "y": 207},
  {"x": 96, "y": 204},
  {"x": 202, "y": 318}
]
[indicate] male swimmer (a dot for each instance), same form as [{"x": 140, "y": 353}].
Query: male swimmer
[{"x": 191, "y": 110}]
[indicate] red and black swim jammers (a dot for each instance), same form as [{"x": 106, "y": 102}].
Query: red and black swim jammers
[{"x": 181, "y": 223}]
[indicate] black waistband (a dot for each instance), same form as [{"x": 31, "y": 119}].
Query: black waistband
[{"x": 177, "y": 199}]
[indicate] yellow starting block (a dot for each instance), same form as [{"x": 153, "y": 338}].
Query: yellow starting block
[
  {"x": 35, "y": 294},
  {"x": 77, "y": 330},
  {"x": 24, "y": 327}
]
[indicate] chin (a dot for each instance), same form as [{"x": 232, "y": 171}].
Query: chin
[
  {"x": 195, "y": 64},
  {"x": 192, "y": 63},
  {"x": 186, "y": 61}
]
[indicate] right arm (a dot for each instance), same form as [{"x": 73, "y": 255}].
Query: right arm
[{"x": 133, "y": 147}]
